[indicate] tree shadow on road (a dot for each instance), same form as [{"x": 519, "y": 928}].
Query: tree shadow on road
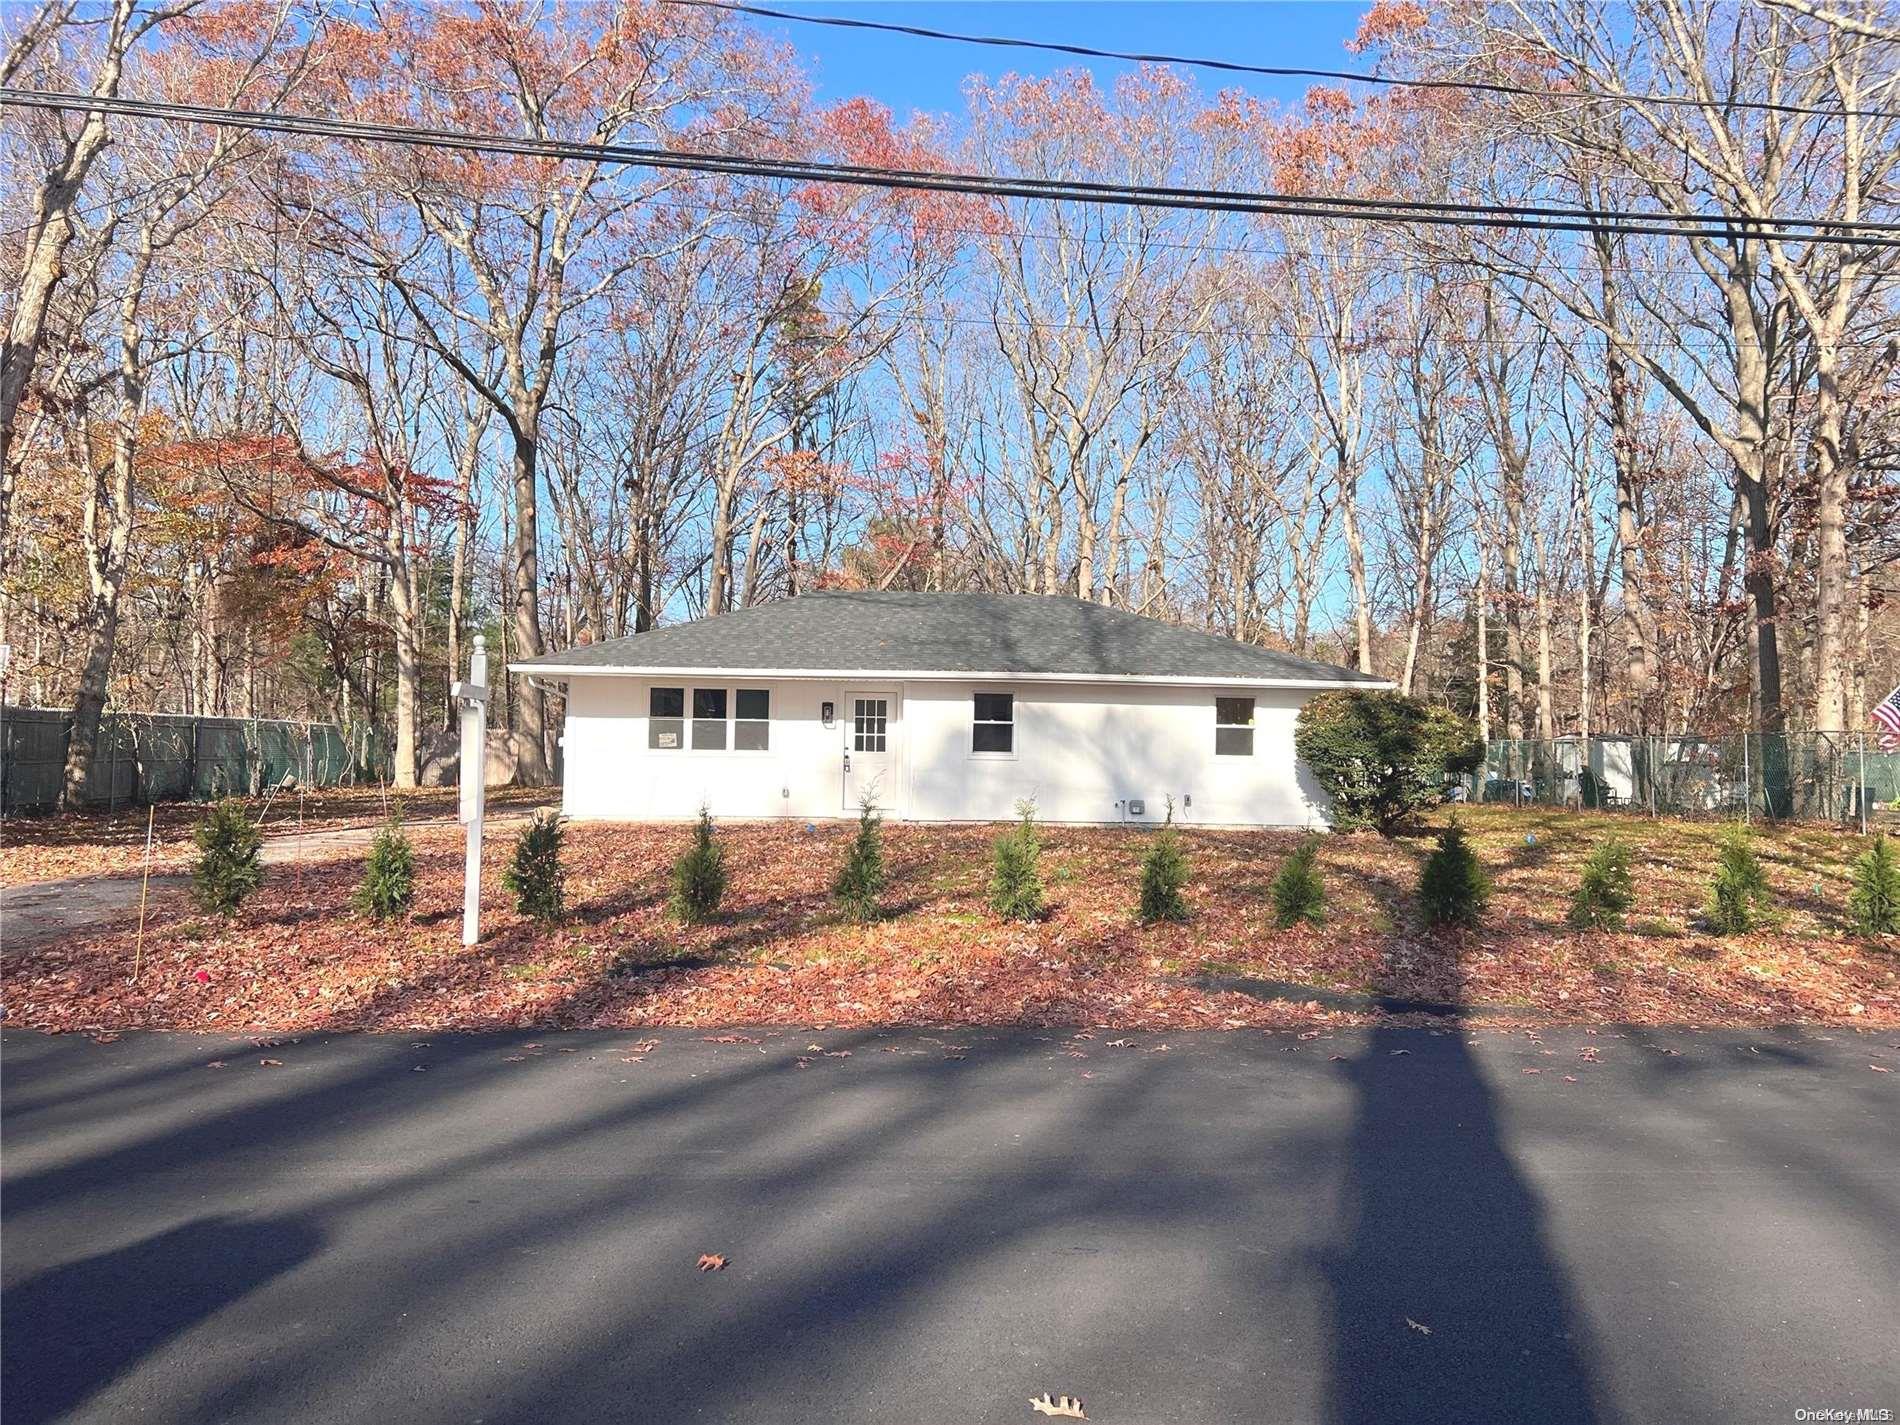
[
  {"x": 72, "y": 1330},
  {"x": 1450, "y": 1303}
]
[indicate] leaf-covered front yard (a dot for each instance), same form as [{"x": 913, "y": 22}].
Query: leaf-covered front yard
[
  {"x": 299, "y": 959},
  {"x": 112, "y": 842}
]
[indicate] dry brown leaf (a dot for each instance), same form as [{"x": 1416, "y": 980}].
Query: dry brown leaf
[
  {"x": 711, "y": 1262},
  {"x": 1418, "y": 1326},
  {"x": 1066, "y": 1406},
  {"x": 270, "y": 1063}
]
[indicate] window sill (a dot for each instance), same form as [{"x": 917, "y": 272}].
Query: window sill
[{"x": 991, "y": 756}]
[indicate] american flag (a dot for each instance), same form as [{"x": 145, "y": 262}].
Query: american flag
[{"x": 1887, "y": 714}]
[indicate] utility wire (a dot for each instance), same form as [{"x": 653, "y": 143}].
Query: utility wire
[
  {"x": 1502, "y": 216},
  {"x": 1259, "y": 250},
  {"x": 1229, "y": 66}
]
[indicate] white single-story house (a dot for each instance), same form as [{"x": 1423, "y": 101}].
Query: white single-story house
[{"x": 939, "y": 707}]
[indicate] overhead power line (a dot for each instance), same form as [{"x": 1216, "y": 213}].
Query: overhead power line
[
  {"x": 1082, "y": 238},
  {"x": 1272, "y": 71},
  {"x": 1499, "y": 216}
]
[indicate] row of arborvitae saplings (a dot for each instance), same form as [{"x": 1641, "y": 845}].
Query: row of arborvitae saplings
[
  {"x": 1453, "y": 888},
  {"x": 699, "y": 877}
]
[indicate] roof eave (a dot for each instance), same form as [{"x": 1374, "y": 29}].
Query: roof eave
[{"x": 564, "y": 671}]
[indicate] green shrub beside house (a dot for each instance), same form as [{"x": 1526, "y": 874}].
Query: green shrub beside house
[{"x": 1382, "y": 756}]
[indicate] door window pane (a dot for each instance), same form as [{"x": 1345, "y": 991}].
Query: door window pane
[{"x": 869, "y": 724}]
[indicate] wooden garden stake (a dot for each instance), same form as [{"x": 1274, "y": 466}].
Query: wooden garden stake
[{"x": 145, "y": 886}]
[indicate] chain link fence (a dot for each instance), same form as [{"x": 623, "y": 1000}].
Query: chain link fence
[
  {"x": 159, "y": 757},
  {"x": 1796, "y": 776}
]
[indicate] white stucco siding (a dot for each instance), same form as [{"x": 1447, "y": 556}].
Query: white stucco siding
[
  {"x": 611, "y": 773},
  {"x": 1082, "y": 751}
]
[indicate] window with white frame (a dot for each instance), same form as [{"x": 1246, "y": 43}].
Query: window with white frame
[
  {"x": 709, "y": 719},
  {"x": 993, "y": 725},
  {"x": 666, "y": 719},
  {"x": 1233, "y": 727},
  {"x": 752, "y": 720},
  {"x": 740, "y": 719}
]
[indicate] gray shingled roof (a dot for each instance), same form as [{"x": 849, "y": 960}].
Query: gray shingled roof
[{"x": 902, "y": 632}]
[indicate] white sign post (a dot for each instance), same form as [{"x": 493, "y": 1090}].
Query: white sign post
[{"x": 472, "y": 697}]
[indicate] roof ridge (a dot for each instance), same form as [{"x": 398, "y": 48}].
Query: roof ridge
[{"x": 947, "y": 633}]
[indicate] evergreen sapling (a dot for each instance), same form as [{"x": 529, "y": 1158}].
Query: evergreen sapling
[
  {"x": 389, "y": 874},
  {"x": 1164, "y": 873},
  {"x": 1016, "y": 876},
  {"x": 1453, "y": 888},
  {"x": 228, "y": 868},
  {"x": 1605, "y": 889},
  {"x": 534, "y": 875},
  {"x": 1738, "y": 892},
  {"x": 1874, "y": 903},
  {"x": 1298, "y": 893},
  {"x": 862, "y": 878},
  {"x": 699, "y": 875}
]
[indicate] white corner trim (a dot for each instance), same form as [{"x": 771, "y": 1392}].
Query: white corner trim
[{"x": 567, "y": 671}]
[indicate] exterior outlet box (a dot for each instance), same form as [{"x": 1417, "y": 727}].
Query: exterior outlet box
[{"x": 1137, "y": 807}]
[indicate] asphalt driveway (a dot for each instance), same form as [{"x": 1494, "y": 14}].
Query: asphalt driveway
[{"x": 1382, "y": 1224}]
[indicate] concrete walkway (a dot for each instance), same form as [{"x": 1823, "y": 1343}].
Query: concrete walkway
[{"x": 43, "y": 911}]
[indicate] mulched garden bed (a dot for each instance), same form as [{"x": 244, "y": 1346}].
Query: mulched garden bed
[{"x": 298, "y": 959}]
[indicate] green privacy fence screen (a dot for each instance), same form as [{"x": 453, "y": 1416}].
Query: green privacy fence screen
[
  {"x": 157, "y": 757},
  {"x": 1794, "y": 776}
]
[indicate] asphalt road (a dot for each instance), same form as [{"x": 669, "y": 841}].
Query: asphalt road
[{"x": 1385, "y": 1224}]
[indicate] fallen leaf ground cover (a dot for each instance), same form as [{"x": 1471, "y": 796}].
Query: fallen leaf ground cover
[
  {"x": 298, "y": 958},
  {"x": 112, "y": 842}
]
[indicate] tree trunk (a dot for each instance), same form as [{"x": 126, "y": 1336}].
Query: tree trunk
[
  {"x": 531, "y": 708},
  {"x": 1356, "y": 566},
  {"x": 1546, "y": 712},
  {"x": 48, "y": 235},
  {"x": 108, "y": 533},
  {"x": 1484, "y": 648},
  {"x": 1830, "y": 551}
]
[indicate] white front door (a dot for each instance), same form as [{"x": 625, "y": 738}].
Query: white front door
[{"x": 870, "y": 749}]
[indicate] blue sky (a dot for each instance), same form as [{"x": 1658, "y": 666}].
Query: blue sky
[{"x": 908, "y": 73}]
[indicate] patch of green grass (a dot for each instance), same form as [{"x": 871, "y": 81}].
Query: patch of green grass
[{"x": 1657, "y": 928}]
